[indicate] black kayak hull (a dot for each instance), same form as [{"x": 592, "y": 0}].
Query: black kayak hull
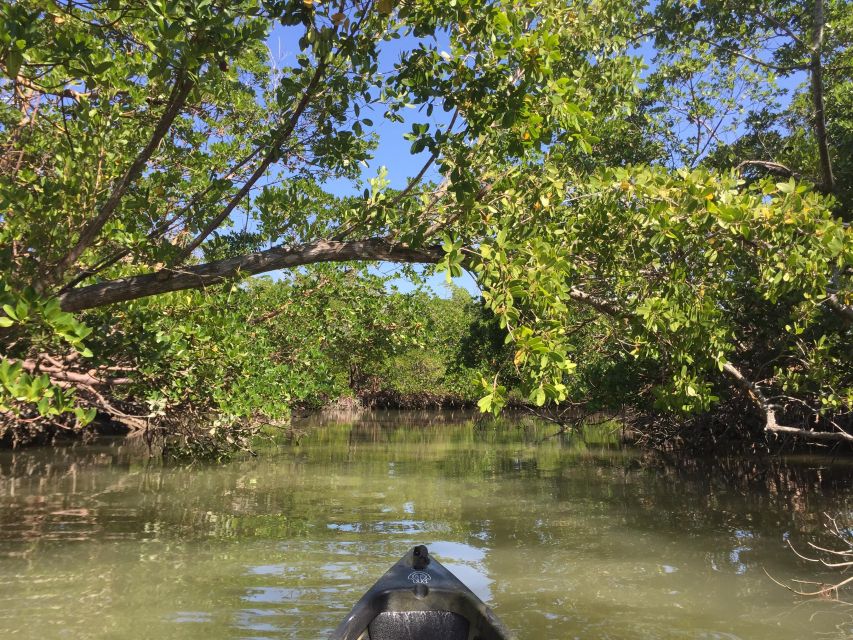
[{"x": 416, "y": 602}]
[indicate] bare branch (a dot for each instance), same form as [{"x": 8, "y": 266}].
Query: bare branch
[
  {"x": 824, "y": 591},
  {"x": 198, "y": 276},
  {"x": 59, "y": 374},
  {"x": 755, "y": 393},
  {"x": 771, "y": 425}
]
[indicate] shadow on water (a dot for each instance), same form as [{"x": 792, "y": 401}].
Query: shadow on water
[{"x": 568, "y": 536}]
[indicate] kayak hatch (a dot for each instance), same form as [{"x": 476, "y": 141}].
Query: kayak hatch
[{"x": 419, "y": 599}]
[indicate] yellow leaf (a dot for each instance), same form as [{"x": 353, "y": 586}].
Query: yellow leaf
[{"x": 385, "y": 6}]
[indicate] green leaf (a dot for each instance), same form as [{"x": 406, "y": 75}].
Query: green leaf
[
  {"x": 786, "y": 187},
  {"x": 502, "y": 23},
  {"x": 14, "y": 59}
]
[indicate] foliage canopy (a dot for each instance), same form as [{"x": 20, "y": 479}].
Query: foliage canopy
[{"x": 685, "y": 227}]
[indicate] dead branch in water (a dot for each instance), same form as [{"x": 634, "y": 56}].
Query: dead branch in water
[{"x": 838, "y": 559}]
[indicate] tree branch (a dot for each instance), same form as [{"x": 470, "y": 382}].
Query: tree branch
[
  {"x": 600, "y": 305},
  {"x": 828, "y": 180},
  {"x": 182, "y": 88},
  {"x": 781, "y": 27},
  {"x": 755, "y": 393},
  {"x": 771, "y": 425},
  {"x": 348, "y": 229},
  {"x": 843, "y": 310},
  {"x": 414, "y": 181},
  {"x": 160, "y": 229},
  {"x": 198, "y": 276},
  {"x": 269, "y": 158},
  {"x": 773, "y": 167},
  {"x": 59, "y": 374},
  {"x": 740, "y": 54}
]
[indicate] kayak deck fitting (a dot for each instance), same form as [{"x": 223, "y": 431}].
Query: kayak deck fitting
[{"x": 419, "y": 599}]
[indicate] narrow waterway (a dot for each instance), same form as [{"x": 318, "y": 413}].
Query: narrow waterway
[{"x": 564, "y": 537}]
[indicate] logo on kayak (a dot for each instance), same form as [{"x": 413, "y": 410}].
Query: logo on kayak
[{"x": 420, "y": 577}]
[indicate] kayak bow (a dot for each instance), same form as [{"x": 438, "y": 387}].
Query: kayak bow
[{"x": 419, "y": 599}]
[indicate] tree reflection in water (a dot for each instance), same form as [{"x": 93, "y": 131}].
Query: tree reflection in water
[{"x": 565, "y": 536}]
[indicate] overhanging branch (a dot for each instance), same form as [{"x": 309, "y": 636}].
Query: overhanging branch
[
  {"x": 772, "y": 167},
  {"x": 211, "y": 273},
  {"x": 770, "y": 424}
]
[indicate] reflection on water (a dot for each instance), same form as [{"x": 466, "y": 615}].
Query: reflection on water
[{"x": 564, "y": 537}]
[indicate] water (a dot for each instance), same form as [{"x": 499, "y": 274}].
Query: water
[{"x": 564, "y": 538}]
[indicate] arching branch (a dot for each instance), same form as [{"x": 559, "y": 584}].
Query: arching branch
[
  {"x": 772, "y": 167},
  {"x": 211, "y": 273}
]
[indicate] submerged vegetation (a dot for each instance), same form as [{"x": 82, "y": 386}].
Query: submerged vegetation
[{"x": 668, "y": 232}]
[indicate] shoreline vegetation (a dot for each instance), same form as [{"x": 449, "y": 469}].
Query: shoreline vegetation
[{"x": 655, "y": 201}]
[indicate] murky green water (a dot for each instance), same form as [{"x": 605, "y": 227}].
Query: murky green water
[{"x": 563, "y": 538}]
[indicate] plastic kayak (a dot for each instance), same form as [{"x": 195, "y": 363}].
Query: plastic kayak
[{"x": 419, "y": 599}]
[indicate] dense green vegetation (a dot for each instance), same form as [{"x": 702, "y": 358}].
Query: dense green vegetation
[
  {"x": 218, "y": 367},
  {"x": 670, "y": 231}
]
